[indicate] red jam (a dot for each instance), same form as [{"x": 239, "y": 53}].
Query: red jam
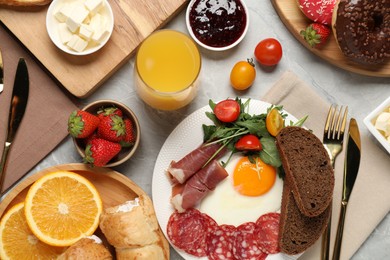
[{"x": 217, "y": 23}]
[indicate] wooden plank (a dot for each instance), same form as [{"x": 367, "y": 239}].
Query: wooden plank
[
  {"x": 295, "y": 21},
  {"x": 134, "y": 20}
]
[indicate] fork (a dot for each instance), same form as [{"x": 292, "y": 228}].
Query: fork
[{"x": 333, "y": 143}]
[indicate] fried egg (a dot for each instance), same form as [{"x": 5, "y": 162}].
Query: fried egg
[{"x": 250, "y": 190}]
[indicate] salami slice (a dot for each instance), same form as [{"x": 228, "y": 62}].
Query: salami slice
[
  {"x": 267, "y": 233},
  {"x": 188, "y": 231},
  {"x": 220, "y": 244},
  {"x": 210, "y": 222},
  {"x": 245, "y": 243}
]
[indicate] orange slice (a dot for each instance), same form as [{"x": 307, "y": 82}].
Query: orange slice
[
  {"x": 62, "y": 207},
  {"x": 18, "y": 242}
]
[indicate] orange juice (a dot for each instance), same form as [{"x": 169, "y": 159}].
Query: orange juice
[{"x": 167, "y": 67}]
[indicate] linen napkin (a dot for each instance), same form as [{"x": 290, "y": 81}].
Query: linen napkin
[
  {"x": 369, "y": 202},
  {"x": 44, "y": 124}
]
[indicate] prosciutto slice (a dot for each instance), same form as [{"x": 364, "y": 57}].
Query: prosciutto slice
[
  {"x": 188, "y": 195},
  {"x": 183, "y": 169}
]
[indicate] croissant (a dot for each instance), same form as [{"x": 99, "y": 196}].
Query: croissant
[
  {"x": 133, "y": 230},
  {"x": 88, "y": 248}
]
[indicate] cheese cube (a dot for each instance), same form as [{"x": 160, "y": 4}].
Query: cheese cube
[
  {"x": 64, "y": 33},
  {"x": 94, "y": 6},
  {"x": 78, "y": 15},
  {"x": 86, "y": 32},
  {"x": 76, "y": 43},
  {"x": 63, "y": 13}
]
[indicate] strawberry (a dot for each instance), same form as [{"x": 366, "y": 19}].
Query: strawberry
[
  {"x": 316, "y": 34},
  {"x": 129, "y": 138},
  {"x": 107, "y": 111},
  {"x": 111, "y": 128},
  {"x": 82, "y": 124},
  {"x": 99, "y": 152}
]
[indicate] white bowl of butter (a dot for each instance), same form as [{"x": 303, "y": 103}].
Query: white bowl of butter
[
  {"x": 378, "y": 122},
  {"x": 79, "y": 27}
]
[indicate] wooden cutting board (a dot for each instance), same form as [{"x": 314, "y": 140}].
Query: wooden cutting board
[
  {"x": 81, "y": 75},
  {"x": 295, "y": 21},
  {"x": 113, "y": 187}
]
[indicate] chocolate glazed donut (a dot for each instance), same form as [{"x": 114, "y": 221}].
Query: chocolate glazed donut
[{"x": 362, "y": 30}]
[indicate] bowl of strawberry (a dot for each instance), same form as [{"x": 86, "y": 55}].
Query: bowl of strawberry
[{"x": 106, "y": 133}]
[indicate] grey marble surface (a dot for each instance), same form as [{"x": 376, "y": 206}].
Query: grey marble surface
[{"x": 361, "y": 93}]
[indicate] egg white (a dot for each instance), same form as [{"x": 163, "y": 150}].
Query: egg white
[{"x": 226, "y": 206}]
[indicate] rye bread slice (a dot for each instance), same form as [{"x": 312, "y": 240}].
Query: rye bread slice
[
  {"x": 298, "y": 232},
  {"x": 307, "y": 166}
]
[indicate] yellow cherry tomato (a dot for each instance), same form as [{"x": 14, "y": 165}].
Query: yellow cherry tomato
[
  {"x": 243, "y": 74},
  {"x": 274, "y": 122}
]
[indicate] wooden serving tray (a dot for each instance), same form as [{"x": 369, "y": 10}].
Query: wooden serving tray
[
  {"x": 113, "y": 187},
  {"x": 134, "y": 20},
  {"x": 295, "y": 21}
]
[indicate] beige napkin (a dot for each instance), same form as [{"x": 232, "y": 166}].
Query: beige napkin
[
  {"x": 44, "y": 123},
  {"x": 369, "y": 202}
]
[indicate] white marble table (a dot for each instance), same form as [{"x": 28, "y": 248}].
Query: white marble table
[{"x": 360, "y": 93}]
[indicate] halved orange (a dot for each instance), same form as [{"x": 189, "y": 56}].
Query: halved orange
[
  {"x": 18, "y": 242},
  {"x": 62, "y": 207}
]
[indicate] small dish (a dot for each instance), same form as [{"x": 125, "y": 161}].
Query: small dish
[
  {"x": 53, "y": 26},
  {"x": 218, "y": 41},
  {"x": 370, "y": 120},
  {"x": 126, "y": 152}
]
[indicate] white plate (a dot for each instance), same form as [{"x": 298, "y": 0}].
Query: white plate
[
  {"x": 184, "y": 138},
  {"x": 369, "y": 121}
]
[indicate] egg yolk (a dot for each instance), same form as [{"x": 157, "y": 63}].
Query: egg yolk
[{"x": 253, "y": 179}]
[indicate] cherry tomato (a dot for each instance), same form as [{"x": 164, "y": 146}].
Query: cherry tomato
[
  {"x": 248, "y": 143},
  {"x": 243, "y": 74},
  {"x": 227, "y": 110},
  {"x": 274, "y": 122},
  {"x": 268, "y": 52}
]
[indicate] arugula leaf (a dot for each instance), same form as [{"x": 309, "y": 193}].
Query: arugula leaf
[{"x": 270, "y": 154}]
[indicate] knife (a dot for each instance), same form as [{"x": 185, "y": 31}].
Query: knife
[
  {"x": 16, "y": 112},
  {"x": 1, "y": 73},
  {"x": 351, "y": 169}
]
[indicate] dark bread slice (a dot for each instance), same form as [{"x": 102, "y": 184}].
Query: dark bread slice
[
  {"x": 298, "y": 232},
  {"x": 307, "y": 166}
]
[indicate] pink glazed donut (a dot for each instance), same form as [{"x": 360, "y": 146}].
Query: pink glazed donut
[{"x": 319, "y": 11}]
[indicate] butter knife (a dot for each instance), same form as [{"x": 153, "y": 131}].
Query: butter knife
[
  {"x": 1, "y": 73},
  {"x": 16, "y": 112},
  {"x": 351, "y": 169}
]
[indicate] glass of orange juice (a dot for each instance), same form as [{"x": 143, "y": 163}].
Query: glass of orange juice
[{"x": 166, "y": 70}]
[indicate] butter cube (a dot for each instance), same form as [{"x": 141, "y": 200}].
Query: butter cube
[
  {"x": 77, "y": 43},
  {"x": 63, "y": 13},
  {"x": 86, "y": 32},
  {"x": 96, "y": 21},
  {"x": 78, "y": 15},
  {"x": 382, "y": 123},
  {"x": 94, "y": 6},
  {"x": 64, "y": 33},
  {"x": 99, "y": 36}
]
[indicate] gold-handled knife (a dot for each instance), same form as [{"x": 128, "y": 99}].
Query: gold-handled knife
[
  {"x": 1, "y": 73},
  {"x": 351, "y": 169},
  {"x": 16, "y": 112}
]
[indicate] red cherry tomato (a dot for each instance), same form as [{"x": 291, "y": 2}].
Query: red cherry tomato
[
  {"x": 227, "y": 110},
  {"x": 268, "y": 52},
  {"x": 248, "y": 143}
]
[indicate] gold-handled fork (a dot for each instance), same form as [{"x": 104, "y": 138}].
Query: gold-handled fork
[{"x": 333, "y": 142}]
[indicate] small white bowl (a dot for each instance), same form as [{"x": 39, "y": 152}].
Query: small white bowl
[
  {"x": 52, "y": 27},
  {"x": 222, "y": 48},
  {"x": 369, "y": 121}
]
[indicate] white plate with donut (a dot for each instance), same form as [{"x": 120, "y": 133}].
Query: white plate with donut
[{"x": 295, "y": 21}]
